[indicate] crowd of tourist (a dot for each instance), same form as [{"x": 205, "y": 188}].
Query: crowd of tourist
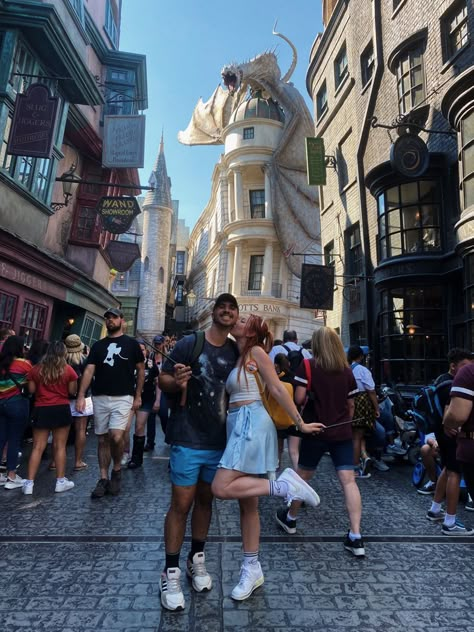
[{"x": 209, "y": 392}]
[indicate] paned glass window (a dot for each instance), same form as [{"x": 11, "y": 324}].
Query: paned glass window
[
  {"x": 354, "y": 263},
  {"x": 409, "y": 219},
  {"x": 467, "y": 159},
  {"x": 456, "y": 29},
  {"x": 321, "y": 101},
  {"x": 180, "y": 260},
  {"x": 329, "y": 258},
  {"x": 367, "y": 64},
  {"x": 32, "y": 323},
  {"x": 248, "y": 133},
  {"x": 410, "y": 80},
  {"x": 341, "y": 69},
  {"x": 7, "y": 309},
  {"x": 255, "y": 272},
  {"x": 78, "y": 6},
  {"x": 111, "y": 24},
  {"x": 257, "y": 203}
]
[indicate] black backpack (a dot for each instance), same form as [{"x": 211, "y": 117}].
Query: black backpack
[
  {"x": 295, "y": 358},
  {"x": 427, "y": 409}
]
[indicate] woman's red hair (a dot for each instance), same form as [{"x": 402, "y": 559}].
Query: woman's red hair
[{"x": 257, "y": 335}]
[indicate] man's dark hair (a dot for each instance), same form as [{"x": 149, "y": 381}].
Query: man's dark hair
[
  {"x": 289, "y": 335},
  {"x": 4, "y": 333},
  {"x": 457, "y": 354},
  {"x": 353, "y": 353}
]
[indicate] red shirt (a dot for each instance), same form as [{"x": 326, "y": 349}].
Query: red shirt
[
  {"x": 52, "y": 394},
  {"x": 330, "y": 394}
]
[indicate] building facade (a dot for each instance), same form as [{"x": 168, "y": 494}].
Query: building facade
[
  {"x": 55, "y": 270},
  {"x": 381, "y": 75}
]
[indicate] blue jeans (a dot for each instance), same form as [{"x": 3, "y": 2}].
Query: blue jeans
[{"x": 14, "y": 414}]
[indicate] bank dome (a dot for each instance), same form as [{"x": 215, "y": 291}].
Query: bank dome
[{"x": 258, "y": 107}]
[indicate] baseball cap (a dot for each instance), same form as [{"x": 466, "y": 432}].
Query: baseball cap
[
  {"x": 226, "y": 298},
  {"x": 158, "y": 340},
  {"x": 115, "y": 311}
]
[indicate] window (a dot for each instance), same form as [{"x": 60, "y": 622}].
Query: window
[
  {"x": 321, "y": 102},
  {"x": 354, "y": 251},
  {"x": 180, "y": 259},
  {"x": 409, "y": 219},
  {"x": 396, "y": 3},
  {"x": 78, "y": 6},
  {"x": 161, "y": 275},
  {"x": 248, "y": 133},
  {"x": 455, "y": 29},
  {"x": 341, "y": 69},
  {"x": 86, "y": 226},
  {"x": 33, "y": 319},
  {"x": 467, "y": 159},
  {"x": 367, "y": 63},
  {"x": 7, "y": 309},
  {"x": 91, "y": 330},
  {"x": 342, "y": 154},
  {"x": 255, "y": 273},
  {"x": 410, "y": 81},
  {"x": 179, "y": 296},
  {"x": 469, "y": 293},
  {"x": 120, "y": 283},
  {"x": 257, "y": 204},
  {"x": 111, "y": 24},
  {"x": 357, "y": 333},
  {"x": 329, "y": 258},
  {"x": 413, "y": 334}
]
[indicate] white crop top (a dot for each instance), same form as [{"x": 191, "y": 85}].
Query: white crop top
[{"x": 241, "y": 389}]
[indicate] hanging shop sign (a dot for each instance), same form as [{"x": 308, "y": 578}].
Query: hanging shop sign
[
  {"x": 315, "y": 161},
  {"x": 317, "y": 287},
  {"x": 34, "y": 123},
  {"x": 409, "y": 156},
  {"x": 122, "y": 254},
  {"x": 124, "y": 142},
  {"x": 117, "y": 213}
]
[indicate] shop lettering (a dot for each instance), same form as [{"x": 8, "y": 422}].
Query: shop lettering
[
  {"x": 15, "y": 275},
  {"x": 254, "y": 307}
]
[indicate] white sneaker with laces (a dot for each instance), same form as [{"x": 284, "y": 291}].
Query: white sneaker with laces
[
  {"x": 172, "y": 597},
  {"x": 380, "y": 465},
  {"x": 196, "y": 570},
  {"x": 13, "y": 483},
  {"x": 64, "y": 485},
  {"x": 125, "y": 458},
  {"x": 27, "y": 488},
  {"x": 251, "y": 577},
  {"x": 298, "y": 489},
  {"x": 3, "y": 479}
]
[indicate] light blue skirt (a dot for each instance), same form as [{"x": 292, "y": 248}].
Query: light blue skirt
[{"x": 252, "y": 445}]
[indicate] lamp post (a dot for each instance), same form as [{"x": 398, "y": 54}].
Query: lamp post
[{"x": 70, "y": 181}]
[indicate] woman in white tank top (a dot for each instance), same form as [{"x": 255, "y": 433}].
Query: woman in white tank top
[{"x": 252, "y": 445}]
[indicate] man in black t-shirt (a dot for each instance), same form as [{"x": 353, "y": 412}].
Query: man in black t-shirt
[
  {"x": 449, "y": 480},
  {"x": 196, "y": 431},
  {"x": 118, "y": 367}
]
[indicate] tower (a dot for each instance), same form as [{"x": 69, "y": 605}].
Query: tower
[{"x": 157, "y": 221}]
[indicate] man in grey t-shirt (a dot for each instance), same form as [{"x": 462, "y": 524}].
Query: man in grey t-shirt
[{"x": 196, "y": 432}]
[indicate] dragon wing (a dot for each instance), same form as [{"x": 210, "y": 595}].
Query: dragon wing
[{"x": 208, "y": 120}]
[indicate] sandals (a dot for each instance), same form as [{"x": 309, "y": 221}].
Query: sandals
[{"x": 81, "y": 467}]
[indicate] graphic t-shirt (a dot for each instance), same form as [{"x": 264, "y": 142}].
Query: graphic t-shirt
[
  {"x": 328, "y": 404},
  {"x": 52, "y": 394},
  {"x": 20, "y": 369},
  {"x": 149, "y": 387},
  {"x": 201, "y": 422},
  {"x": 463, "y": 386},
  {"x": 115, "y": 360}
]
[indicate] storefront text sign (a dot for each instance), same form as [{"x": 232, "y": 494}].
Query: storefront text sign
[
  {"x": 34, "y": 123},
  {"x": 315, "y": 161},
  {"x": 124, "y": 141},
  {"x": 16, "y": 275},
  {"x": 117, "y": 213},
  {"x": 255, "y": 307}
]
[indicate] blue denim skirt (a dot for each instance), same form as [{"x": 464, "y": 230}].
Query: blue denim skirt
[{"x": 252, "y": 445}]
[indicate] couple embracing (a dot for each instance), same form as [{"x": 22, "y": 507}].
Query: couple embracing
[{"x": 221, "y": 440}]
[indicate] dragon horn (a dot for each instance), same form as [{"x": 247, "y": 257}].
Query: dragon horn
[{"x": 294, "y": 61}]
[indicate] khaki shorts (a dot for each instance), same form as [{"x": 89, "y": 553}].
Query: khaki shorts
[{"x": 111, "y": 412}]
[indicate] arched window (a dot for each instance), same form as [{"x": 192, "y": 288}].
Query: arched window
[
  {"x": 161, "y": 275},
  {"x": 146, "y": 264}
]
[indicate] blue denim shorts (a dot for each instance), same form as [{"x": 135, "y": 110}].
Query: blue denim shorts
[
  {"x": 188, "y": 465},
  {"x": 312, "y": 449}
]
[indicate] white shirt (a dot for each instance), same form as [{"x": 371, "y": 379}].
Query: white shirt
[
  {"x": 363, "y": 377},
  {"x": 292, "y": 346}
]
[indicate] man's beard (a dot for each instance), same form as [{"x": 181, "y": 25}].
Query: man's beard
[{"x": 112, "y": 329}]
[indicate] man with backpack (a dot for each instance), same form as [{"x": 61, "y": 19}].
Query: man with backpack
[
  {"x": 194, "y": 380},
  {"x": 290, "y": 347},
  {"x": 448, "y": 484}
]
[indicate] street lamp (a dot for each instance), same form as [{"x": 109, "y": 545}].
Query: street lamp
[
  {"x": 70, "y": 181},
  {"x": 191, "y": 298}
]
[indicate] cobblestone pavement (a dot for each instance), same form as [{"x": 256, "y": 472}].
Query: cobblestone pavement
[{"x": 71, "y": 564}]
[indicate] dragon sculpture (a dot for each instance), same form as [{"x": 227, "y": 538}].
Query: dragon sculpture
[{"x": 294, "y": 203}]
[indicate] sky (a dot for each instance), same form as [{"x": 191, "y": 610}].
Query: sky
[{"x": 186, "y": 43}]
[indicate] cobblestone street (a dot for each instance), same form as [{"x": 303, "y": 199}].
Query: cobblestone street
[{"x": 70, "y": 564}]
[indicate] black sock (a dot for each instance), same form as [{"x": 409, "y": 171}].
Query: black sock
[
  {"x": 172, "y": 560},
  {"x": 197, "y": 546}
]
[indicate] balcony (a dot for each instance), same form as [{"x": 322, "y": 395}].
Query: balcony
[{"x": 275, "y": 293}]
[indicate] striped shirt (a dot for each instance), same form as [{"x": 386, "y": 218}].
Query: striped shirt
[{"x": 20, "y": 369}]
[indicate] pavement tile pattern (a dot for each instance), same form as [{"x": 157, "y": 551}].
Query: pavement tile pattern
[{"x": 71, "y": 564}]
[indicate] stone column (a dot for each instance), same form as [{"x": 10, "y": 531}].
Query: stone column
[
  {"x": 268, "y": 193},
  {"x": 230, "y": 197},
  {"x": 238, "y": 195},
  {"x": 236, "y": 276},
  {"x": 267, "y": 270}
]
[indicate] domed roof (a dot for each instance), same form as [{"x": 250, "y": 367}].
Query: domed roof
[{"x": 258, "y": 107}]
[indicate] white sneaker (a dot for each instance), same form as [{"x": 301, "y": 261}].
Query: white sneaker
[
  {"x": 3, "y": 479},
  {"x": 125, "y": 458},
  {"x": 27, "y": 488},
  {"x": 13, "y": 483},
  {"x": 251, "y": 577},
  {"x": 298, "y": 489},
  {"x": 172, "y": 597},
  {"x": 380, "y": 465},
  {"x": 63, "y": 486},
  {"x": 196, "y": 570}
]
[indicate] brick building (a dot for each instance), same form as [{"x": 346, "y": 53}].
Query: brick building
[{"x": 404, "y": 272}]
